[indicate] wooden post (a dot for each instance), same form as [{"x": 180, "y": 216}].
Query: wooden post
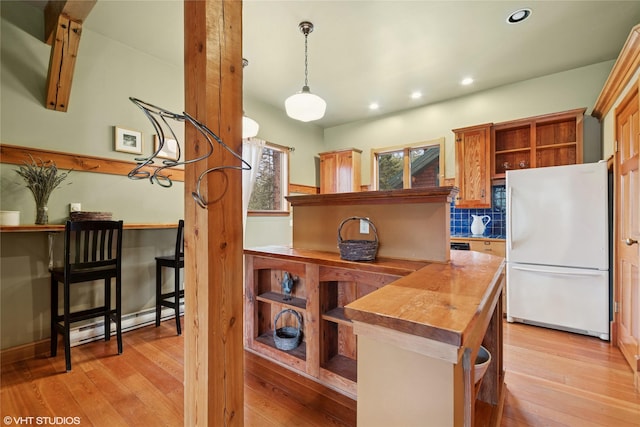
[
  {"x": 63, "y": 27},
  {"x": 214, "y": 380}
]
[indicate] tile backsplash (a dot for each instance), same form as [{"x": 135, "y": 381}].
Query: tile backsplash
[{"x": 461, "y": 218}]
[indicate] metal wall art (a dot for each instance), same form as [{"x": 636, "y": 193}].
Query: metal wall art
[{"x": 160, "y": 119}]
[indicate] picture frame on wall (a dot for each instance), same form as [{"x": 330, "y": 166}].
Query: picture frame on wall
[
  {"x": 169, "y": 150},
  {"x": 128, "y": 141}
]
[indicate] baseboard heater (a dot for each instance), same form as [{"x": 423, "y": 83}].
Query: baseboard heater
[{"x": 95, "y": 331}]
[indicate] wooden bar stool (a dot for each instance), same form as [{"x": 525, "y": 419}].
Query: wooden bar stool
[
  {"x": 92, "y": 251},
  {"x": 175, "y": 261}
]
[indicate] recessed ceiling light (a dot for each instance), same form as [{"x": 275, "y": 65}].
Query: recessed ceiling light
[
  {"x": 416, "y": 95},
  {"x": 374, "y": 106},
  {"x": 518, "y": 16},
  {"x": 466, "y": 81}
]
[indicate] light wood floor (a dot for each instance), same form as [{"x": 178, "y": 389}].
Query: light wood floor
[{"x": 553, "y": 379}]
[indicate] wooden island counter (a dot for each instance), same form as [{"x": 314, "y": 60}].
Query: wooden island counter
[{"x": 398, "y": 334}]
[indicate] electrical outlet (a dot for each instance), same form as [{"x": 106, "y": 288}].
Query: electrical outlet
[
  {"x": 364, "y": 227},
  {"x": 75, "y": 207}
]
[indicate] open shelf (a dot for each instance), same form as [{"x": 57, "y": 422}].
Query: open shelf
[
  {"x": 514, "y": 150},
  {"x": 279, "y": 298},
  {"x": 337, "y": 315},
  {"x": 556, "y": 132},
  {"x": 512, "y": 160},
  {"x": 542, "y": 141},
  {"x": 512, "y": 138},
  {"x": 342, "y": 366},
  {"x": 329, "y": 348},
  {"x": 299, "y": 352},
  {"x": 562, "y": 154}
]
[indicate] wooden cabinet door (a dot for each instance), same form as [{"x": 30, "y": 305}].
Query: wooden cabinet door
[
  {"x": 627, "y": 232},
  {"x": 328, "y": 182},
  {"x": 473, "y": 166},
  {"x": 340, "y": 171}
]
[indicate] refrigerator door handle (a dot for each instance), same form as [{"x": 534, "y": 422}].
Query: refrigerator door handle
[
  {"x": 573, "y": 272},
  {"x": 510, "y": 212}
]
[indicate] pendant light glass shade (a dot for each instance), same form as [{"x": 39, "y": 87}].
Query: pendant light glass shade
[
  {"x": 304, "y": 105},
  {"x": 249, "y": 127}
]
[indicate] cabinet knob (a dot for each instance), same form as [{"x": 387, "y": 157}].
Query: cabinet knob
[{"x": 631, "y": 241}]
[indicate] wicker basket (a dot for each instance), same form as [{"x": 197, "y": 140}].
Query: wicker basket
[
  {"x": 358, "y": 250},
  {"x": 287, "y": 337},
  {"x": 90, "y": 216}
]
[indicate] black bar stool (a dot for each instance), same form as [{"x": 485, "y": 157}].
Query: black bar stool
[
  {"x": 175, "y": 261},
  {"x": 92, "y": 251}
]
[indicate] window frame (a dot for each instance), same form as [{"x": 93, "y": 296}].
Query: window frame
[
  {"x": 406, "y": 149},
  {"x": 285, "y": 151}
]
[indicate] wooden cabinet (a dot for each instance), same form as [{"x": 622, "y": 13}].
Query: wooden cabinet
[
  {"x": 473, "y": 178},
  {"x": 328, "y": 351},
  {"x": 488, "y": 246},
  {"x": 340, "y": 171},
  {"x": 264, "y": 300},
  {"x": 493, "y": 247},
  {"x": 541, "y": 141}
]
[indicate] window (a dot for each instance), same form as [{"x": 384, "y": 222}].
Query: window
[
  {"x": 413, "y": 166},
  {"x": 272, "y": 182}
]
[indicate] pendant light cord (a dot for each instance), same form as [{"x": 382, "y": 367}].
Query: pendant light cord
[{"x": 306, "y": 61}]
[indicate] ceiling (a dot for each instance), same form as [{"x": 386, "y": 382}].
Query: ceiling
[{"x": 363, "y": 51}]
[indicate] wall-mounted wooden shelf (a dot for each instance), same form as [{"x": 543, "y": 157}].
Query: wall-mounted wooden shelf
[
  {"x": 60, "y": 227},
  {"x": 17, "y": 155}
]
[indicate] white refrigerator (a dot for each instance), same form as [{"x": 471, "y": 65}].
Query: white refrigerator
[{"x": 558, "y": 248}]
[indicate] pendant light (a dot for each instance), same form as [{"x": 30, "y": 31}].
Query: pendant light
[
  {"x": 249, "y": 126},
  {"x": 304, "y": 105}
]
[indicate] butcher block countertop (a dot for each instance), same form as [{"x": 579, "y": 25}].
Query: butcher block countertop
[
  {"x": 438, "y": 301},
  {"x": 442, "y": 302}
]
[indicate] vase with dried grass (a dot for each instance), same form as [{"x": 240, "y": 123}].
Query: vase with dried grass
[{"x": 41, "y": 178}]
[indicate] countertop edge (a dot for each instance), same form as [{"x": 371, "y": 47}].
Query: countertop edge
[
  {"x": 460, "y": 292},
  {"x": 454, "y": 324}
]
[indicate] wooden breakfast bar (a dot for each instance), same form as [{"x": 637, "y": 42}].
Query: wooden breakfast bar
[
  {"x": 418, "y": 325},
  {"x": 400, "y": 333},
  {"x": 418, "y": 338}
]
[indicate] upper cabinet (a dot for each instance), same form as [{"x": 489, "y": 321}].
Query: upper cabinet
[
  {"x": 340, "y": 171},
  {"x": 473, "y": 177},
  {"x": 535, "y": 142},
  {"x": 485, "y": 152}
]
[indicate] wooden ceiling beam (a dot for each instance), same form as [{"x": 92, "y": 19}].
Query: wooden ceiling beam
[
  {"x": 63, "y": 27},
  {"x": 77, "y": 10}
]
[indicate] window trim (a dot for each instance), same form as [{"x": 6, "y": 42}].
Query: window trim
[
  {"x": 285, "y": 186},
  {"x": 406, "y": 148}
]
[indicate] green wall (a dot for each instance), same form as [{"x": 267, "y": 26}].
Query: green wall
[
  {"x": 107, "y": 73},
  {"x": 578, "y": 88}
]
